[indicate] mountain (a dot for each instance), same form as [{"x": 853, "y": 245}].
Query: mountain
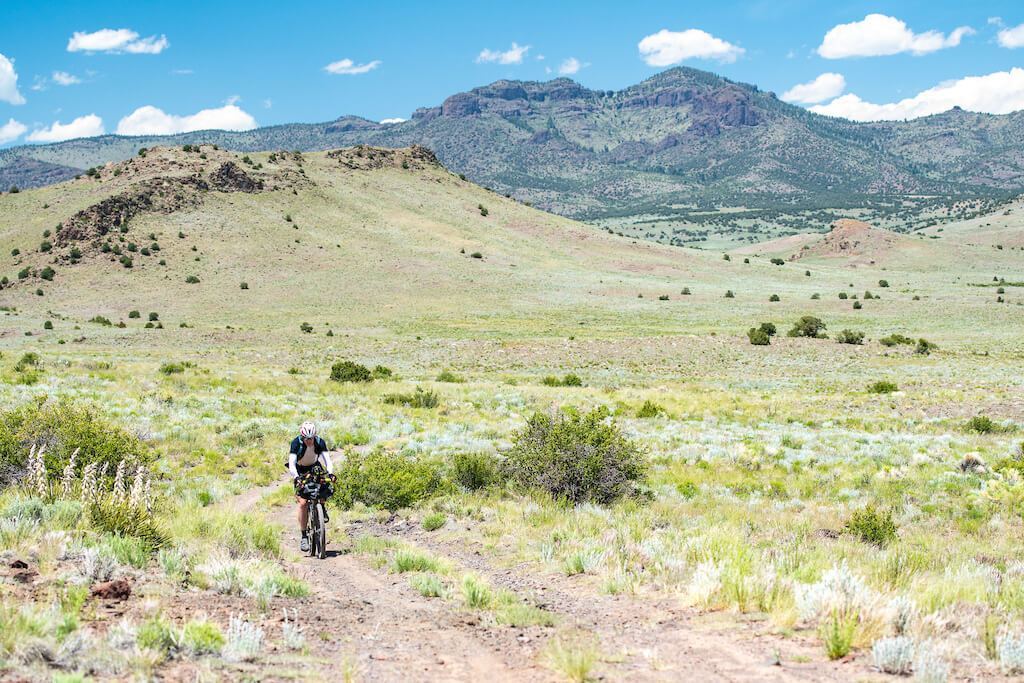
[{"x": 660, "y": 159}]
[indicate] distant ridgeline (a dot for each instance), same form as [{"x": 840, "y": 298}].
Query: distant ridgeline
[{"x": 658, "y": 159}]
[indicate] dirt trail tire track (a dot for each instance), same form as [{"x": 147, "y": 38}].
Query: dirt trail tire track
[
  {"x": 662, "y": 640},
  {"x": 359, "y": 614},
  {"x": 393, "y": 634}
]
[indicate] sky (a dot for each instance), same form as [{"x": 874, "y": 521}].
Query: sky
[{"x": 76, "y": 69}]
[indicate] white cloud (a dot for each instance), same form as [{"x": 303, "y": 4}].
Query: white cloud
[
  {"x": 12, "y": 130},
  {"x": 1000, "y": 92},
  {"x": 666, "y": 48},
  {"x": 82, "y": 127},
  {"x": 879, "y": 34},
  {"x": 268, "y": 103},
  {"x": 570, "y": 66},
  {"x": 117, "y": 41},
  {"x": 394, "y": 120},
  {"x": 182, "y": 72},
  {"x": 9, "y": 83},
  {"x": 150, "y": 120},
  {"x": 64, "y": 78},
  {"x": 513, "y": 55},
  {"x": 348, "y": 67},
  {"x": 824, "y": 87},
  {"x": 1011, "y": 37}
]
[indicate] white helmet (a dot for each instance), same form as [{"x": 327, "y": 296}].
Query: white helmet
[{"x": 307, "y": 430}]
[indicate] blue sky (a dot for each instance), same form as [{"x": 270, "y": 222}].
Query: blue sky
[{"x": 157, "y": 66}]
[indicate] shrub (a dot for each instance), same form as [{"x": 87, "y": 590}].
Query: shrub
[
  {"x": 134, "y": 314},
  {"x": 48, "y": 325},
  {"x": 773, "y": 298},
  {"x": 883, "y": 387},
  {"x": 306, "y": 328},
  {"x": 925, "y": 347},
  {"x": 387, "y": 480},
  {"x": 15, "y": 251},
  {"x": 576, "y": 457},
  {"x": 725, "y": 257},
  {"x": 894, "y": 655},
  {"x": 808, "y": 326},
  {"x": 126, "y": 521},
  {"x": 872, "y": 526},
  {"x": 476, "y": 254},
  {"x": 475, "y": 471},
  {"x": 434, "y": 521},
  {"x": 982, "y": 424},
  {"x": 649, "y": 409},
  {"x": 126, "y": 261},
  {"x": 850, "y": 337},
  {"x": 347, "y": 371},
  {"x": 449, "y": 376},
  {"x": 857, "y": 305},
  {"x": 569, "y": 380},
  {"x": 417, "y": 399},
  {"x": 63, "y": 427},
  {"x": 382, "y": 373},
  {"x": 483, "y": 210},
  {"x": 192, "y": 280},
  {"x": 100, "y": 320},
  {"x": 778, "y": 262},
  {"x": 45, "y": 246},
  {"x": 47, "y": 273},
  {"x": 686, "y": 291},
  {"x": 758, "y": 337},
  {"x": 202, "y": 637},
  {"x": 28, "y": 360},
  {"x": 844, "y": 296},
  {"x": 895, "y": 339},
  {"x": 663, "y": 297},
  {"x": 729, "y": 294},
  {"x": 172, "y": 368},
  {"x": 245, "y": 285}
]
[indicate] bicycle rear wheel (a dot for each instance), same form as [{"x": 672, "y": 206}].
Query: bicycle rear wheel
[{"x": 320, "y": 531}]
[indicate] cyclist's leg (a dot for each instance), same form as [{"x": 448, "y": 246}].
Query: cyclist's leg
[{"x": 303, "y": 513}]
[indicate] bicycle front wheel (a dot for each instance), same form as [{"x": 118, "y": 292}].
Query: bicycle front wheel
[
  {"x": 320, "y": 532},
  {"x": 311, "y": 528}
]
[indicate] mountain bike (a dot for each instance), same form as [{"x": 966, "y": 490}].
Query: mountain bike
[{"x": 316, "y": 487}]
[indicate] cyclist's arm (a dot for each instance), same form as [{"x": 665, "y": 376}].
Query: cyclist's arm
[
  {"x": 327, "y": 462},
  {"x": 292, "y": 457}
]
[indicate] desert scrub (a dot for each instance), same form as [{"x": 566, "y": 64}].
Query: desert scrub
[
  {"x": 573, "y": 655},
  {"x": 576, "y": 457},
  {"x": 808, "y": 326},
  {"x": 388, "y": 480},
  {"x": 418, "y": 399},
  {"x": 475, "y": 471},
  {"x": 64, "y": 427},
  {"x": 872, "y": 526},
  {"x": 450, "y": 377},
  {"x": 348, "y": 371},
  {"x": 429, "y": 585},
  {"x": 850, "y": 337},
  {"x": 883, "y": 387},
  {"x": 434, "y": 521},
  {"x": 649, "y": 409},
  {"x": 569, "y": 380}
]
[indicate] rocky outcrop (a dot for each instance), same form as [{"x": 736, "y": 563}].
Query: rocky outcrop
[
  {"x": 366, "y": 158},
  {"x": 230, "y": 178}
]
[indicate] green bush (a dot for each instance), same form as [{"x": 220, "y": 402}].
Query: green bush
[
  {"x": 850, "y": 337},
  {"x": 778, "y": 262},
  {"x": 449, "y": 376},
  {"x": 192, "y": 280},
  {"x": 925, "y": 347},
  {"x": 202, "y": 638},
  {"x": 773, "y": 298},
  {"x": 729, "y": 294},
  {"x": 63, "y": 427},
  {"x": 172, "y": 368},
  {"x": 434, "y": 521},
  {"x": 758, "y": 337},
  {"x": 883, "y": 387},
  {"x": 417, "y": 399},
  {"x": 306, "y": 328},
  {"x": 895, "y": 340},
  {"x": 808, "y": 326},
  {"x": 134, "y": 314},
  {"x": 388, "y": 480},
  {"x": 47, "y": 273},
  {"x": 872, "y": 526},
  {"x": 475, "y": 471},
  {"x": 844, "y": 296},
  {"x": 156, "y": 633},
  {"x": 122, "y": 520},
  {"x": 982, "y": 424},
  {"x": 649, "y": 409},
  {"x": 382, "y": 373},
  {"x": 569, "y": 380},
  {"x": 126, "y": 261},
  {"x": 883, "y": 283},
  {"x": 28, "y": 360},
  {"x": 347, "y": 371},
  {"x": 100, "y": 320},
  {"x": 576, "y": 457}
]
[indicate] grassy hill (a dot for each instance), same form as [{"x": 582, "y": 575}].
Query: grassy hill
[{"x": 365, "y": 238}]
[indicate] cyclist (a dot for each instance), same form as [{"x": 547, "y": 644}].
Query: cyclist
[{"x": 307, "y": 450}]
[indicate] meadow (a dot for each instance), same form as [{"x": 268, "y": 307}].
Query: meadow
[{"x": 809, "y": 510}]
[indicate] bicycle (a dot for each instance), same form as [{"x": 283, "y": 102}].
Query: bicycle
[{"x": 315, "y": 486}]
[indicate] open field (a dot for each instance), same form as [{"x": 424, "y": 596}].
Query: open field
[{"x": 795, "y": 518}]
